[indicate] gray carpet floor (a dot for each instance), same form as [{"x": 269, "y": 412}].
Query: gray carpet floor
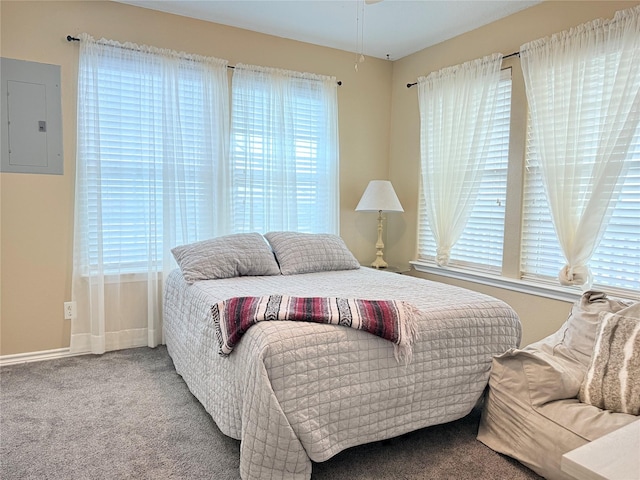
[{"x": 129, "y": 415}]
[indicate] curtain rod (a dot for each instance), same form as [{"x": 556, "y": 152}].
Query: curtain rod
[
  {"x": 74, "y": 39},
  {"x": 514, "y": 54}
]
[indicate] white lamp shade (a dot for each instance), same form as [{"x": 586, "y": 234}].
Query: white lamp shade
[{"x": 379, "y": 196}]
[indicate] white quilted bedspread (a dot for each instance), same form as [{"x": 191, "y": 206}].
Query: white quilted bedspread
[{"x": 295, "y": 391}]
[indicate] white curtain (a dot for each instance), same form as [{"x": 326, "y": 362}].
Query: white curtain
[
  {"x": 584, "y": 101},
  {"x": 284, "y": 151},
  {"x": 152, "y": 140},
  {"x": 457, "y": 107}
]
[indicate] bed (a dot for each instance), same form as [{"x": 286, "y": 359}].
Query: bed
[{"x": 297, "y": 392}]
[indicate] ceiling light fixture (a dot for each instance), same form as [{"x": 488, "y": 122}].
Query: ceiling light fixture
[
  {"x": 360, "y": 4},
  {"x": 359, "y": 33}
]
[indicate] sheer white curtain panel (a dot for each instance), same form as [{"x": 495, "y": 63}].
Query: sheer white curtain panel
[
  {"x": 583, "y": 92},
  {"x": 152, "y": 142},
  {"x": 284, "y": 151},
  {"x": 457, "y": 108}
]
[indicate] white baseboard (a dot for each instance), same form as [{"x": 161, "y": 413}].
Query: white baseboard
[{"x": 36, "y": 356}]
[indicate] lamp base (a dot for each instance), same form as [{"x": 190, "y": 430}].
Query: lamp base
[{"x": 379, "y": 262}]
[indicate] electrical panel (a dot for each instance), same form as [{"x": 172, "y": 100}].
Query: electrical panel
[{"x": 31, "y": 117}]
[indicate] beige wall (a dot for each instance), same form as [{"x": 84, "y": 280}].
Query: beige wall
[
  {"x": 540, "y": 316},
  {"x": 37, "y": 210},
  {"x": 378, "y": 137}
]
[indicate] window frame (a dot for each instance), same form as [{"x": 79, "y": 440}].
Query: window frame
[
  {"x": 312, "y": 139},
  {"x": 505, "y": 74}
]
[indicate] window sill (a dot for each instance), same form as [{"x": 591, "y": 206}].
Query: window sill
[
  {"x": 554, "y": 292},
  {"x": 115, "y": 278}
]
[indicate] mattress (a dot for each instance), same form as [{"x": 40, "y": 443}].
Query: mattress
[{"x": 296, "y": 392}]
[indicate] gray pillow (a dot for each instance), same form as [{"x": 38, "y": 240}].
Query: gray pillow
[
  {"x": 308, "y": 253},
  {"x": 224, "y": 257}
]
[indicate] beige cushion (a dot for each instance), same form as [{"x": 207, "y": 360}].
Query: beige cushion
[
  {"x": 224, "y": 257},
  {"x": 582, "y": 325},
  {"x": 550, "y": 375},
  {"x": 308, "y": 253},
  {"x": 612, "y": 381},
  {"x": 538, "y": 419}
]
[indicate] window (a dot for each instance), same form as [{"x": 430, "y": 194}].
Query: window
[
  {"x": 582, "y": 195},
  {"x": 481, "y": 243},
  {"x": 284, "y": 151},
  {"x": 615, "y": 264},
  {"x": 580, "y": 100},
  {"x": 151, "y": 143}
]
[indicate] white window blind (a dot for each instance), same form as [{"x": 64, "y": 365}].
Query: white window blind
[
  {"x": 283, "y": 152},
  {"x": 481, "y": 243},
  {"x": 615, "y": 264}
]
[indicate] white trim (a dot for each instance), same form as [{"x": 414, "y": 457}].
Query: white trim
[
  {"x": 28, "y": 357},
  {"x": 522, "y": 286}
]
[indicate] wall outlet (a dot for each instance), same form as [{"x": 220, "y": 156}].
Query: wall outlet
[{"x": 69, "y": 310}]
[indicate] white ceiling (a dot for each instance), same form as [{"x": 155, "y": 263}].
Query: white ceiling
[{"x": 390, "y": 27}]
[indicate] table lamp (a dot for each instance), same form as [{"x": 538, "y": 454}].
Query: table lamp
[{"x": 379, "y": 196}]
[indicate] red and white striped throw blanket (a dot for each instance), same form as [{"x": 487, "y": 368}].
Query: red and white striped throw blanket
[{"x": 392, "y": 320}]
